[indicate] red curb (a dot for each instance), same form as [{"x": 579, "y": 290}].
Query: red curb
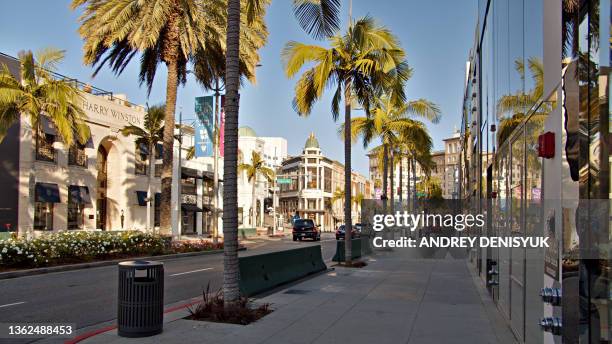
[
  {"x": 93, "y": 333},
  {"x": 90, "y": 334}
]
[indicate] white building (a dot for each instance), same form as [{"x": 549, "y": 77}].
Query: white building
[
  {"x": 101, "y": 185},
  {"x": 273, "y": 151}
]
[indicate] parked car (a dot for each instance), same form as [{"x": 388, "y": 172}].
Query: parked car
[
  {"x": 356, "y": 231},
  {"x": 306, "y": 228}
]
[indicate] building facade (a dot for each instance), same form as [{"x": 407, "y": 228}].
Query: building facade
[
  {"x": 273, "y": 150},
  {"x": 101, "y": 185},
  {"x": 316, "y": 188},
  {"x": 535, "y": 157}
]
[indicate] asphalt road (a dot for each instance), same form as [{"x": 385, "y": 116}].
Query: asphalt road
[{"x": 88, "y": 297}]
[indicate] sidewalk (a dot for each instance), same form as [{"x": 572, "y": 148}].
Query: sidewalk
[{"x": 392, "y": 300}]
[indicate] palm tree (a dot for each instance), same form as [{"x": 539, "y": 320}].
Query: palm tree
[
  {"x": 516, "y": 105},
  {"x": 316, "y": 16},
  {"x": 149, "y": 136},
  {"x": 392, "y": 124},
  {"x": 253, "y": 171},
  {"x": 173, "y": 32},
  {"x": 38, "y": 94},
  {"x": 359, "y": 65},
  {"x": 355, "y": 200}
]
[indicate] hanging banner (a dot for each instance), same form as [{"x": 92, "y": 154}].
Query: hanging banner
[
  {"x": 222, "y": 128},
  {"x": 204, "y": 126}
]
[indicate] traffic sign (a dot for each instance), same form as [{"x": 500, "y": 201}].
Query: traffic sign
[{"x": 284, "y": 180}]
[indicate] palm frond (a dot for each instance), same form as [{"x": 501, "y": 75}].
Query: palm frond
[{"x": 320, "y": 18}]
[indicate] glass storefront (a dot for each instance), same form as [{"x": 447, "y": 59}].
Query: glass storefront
[{"x": 509, "y": 103}]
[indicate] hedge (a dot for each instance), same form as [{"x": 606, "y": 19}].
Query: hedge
[{"x": 74, "y": 247}]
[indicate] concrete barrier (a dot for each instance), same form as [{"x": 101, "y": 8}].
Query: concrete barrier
[
  {"x": 262, "y": 272},
  {"x": 355, "y": 249},
  {"x": 247, "y": 232}
]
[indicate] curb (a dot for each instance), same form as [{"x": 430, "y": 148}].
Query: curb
[
  {"x": 71, "y": 267},
  {"x": 98, "y": 331}
]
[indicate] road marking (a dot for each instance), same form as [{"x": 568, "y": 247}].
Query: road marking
[
  {"x": 189, "y": 272},
  {"x": 12, "y": 304}
]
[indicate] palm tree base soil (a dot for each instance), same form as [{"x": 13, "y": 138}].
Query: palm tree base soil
[{"x": 212, "y": 308}]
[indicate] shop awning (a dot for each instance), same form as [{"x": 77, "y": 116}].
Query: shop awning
[
  {"x": 79, "y": 194},
  {"x": 187, "y": 172},
  {"x": 141, "y": 196},
  {"x": 190, "y": 207},
  {"x": 47, "y": 193}
]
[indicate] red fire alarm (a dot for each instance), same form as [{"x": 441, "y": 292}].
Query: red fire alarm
[{"x": 546, "y": 145}]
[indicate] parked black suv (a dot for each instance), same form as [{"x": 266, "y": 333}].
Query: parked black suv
[{"x": 305, "y": 228}]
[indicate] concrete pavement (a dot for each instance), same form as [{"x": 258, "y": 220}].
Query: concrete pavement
[
  {"x": 88, "y": 297},
  {"x": 392, "y": 300}
]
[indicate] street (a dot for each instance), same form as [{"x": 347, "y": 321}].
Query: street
[{"x": 89, "y": 296}]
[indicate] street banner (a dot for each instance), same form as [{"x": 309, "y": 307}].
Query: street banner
[
  {"x": 204, "y": 126},
  {"x": 222, "y": 128}
]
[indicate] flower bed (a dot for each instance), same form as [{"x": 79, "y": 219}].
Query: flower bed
[{"x": 78, "y": 247}]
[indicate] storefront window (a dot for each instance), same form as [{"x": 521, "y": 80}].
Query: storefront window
[
  {"x": 140, "y": 163},
  {"x": 44, "y": 147},
  {"x": 43, "y": 216},
  {"x": 312, "y": 177},
  {"x": 328, "y": 179},
  {"x": 76, "y": 155},
  {"x": 75, "y": 214}
]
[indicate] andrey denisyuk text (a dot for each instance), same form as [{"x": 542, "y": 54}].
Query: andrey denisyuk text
[
  {"x": 465, "y": 242},
  {"x": 460, "y": 222}
]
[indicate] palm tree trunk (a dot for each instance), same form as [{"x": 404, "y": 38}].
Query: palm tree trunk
[
  {"x": 401, "y": 177},
  {"x": 392, "y": 178},
  {"x": 409, "y": 186},
  {"x": 385, "y": 173},
  {"x": 414, "y": 177},
  {"x": 253, "y": 203},
  {"x": 231, "y": 274},
  {"x": 171, "y": 53},
  {"x": 215, "y": 219},
  {"x": 149, "y": 181},
  {"x": 347, "y": 175}
]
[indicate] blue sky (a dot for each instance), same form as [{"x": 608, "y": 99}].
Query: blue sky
[{"x": 436, "y": 35}]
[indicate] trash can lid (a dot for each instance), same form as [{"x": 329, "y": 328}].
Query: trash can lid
[{"x": 140, "y": 263}]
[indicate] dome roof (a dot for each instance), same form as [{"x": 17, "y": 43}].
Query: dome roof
[
  {"x": 312, "y": 142},
  {"x": 246, "y": 131}
]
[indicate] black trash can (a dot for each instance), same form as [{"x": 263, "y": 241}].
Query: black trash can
[{"x": 140, "y": 311}]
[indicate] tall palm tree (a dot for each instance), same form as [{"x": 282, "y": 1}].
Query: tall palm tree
[
  {"x": 253, "y": 170},
  {"x": 149, "y": 135},
  {"x": 359, "y": 65},
  {"x": 392, "y": 124},
  {"x": 38, "y": 94},
  {"x": 316, "y": 19},
  {"x": 169, "y": 31}
]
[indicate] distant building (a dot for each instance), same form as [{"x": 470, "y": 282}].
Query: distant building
[
  {"x": 452, "y": 154},
  {"x": 273, "y": 150},
  {"x": 314, "y": 180}
]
